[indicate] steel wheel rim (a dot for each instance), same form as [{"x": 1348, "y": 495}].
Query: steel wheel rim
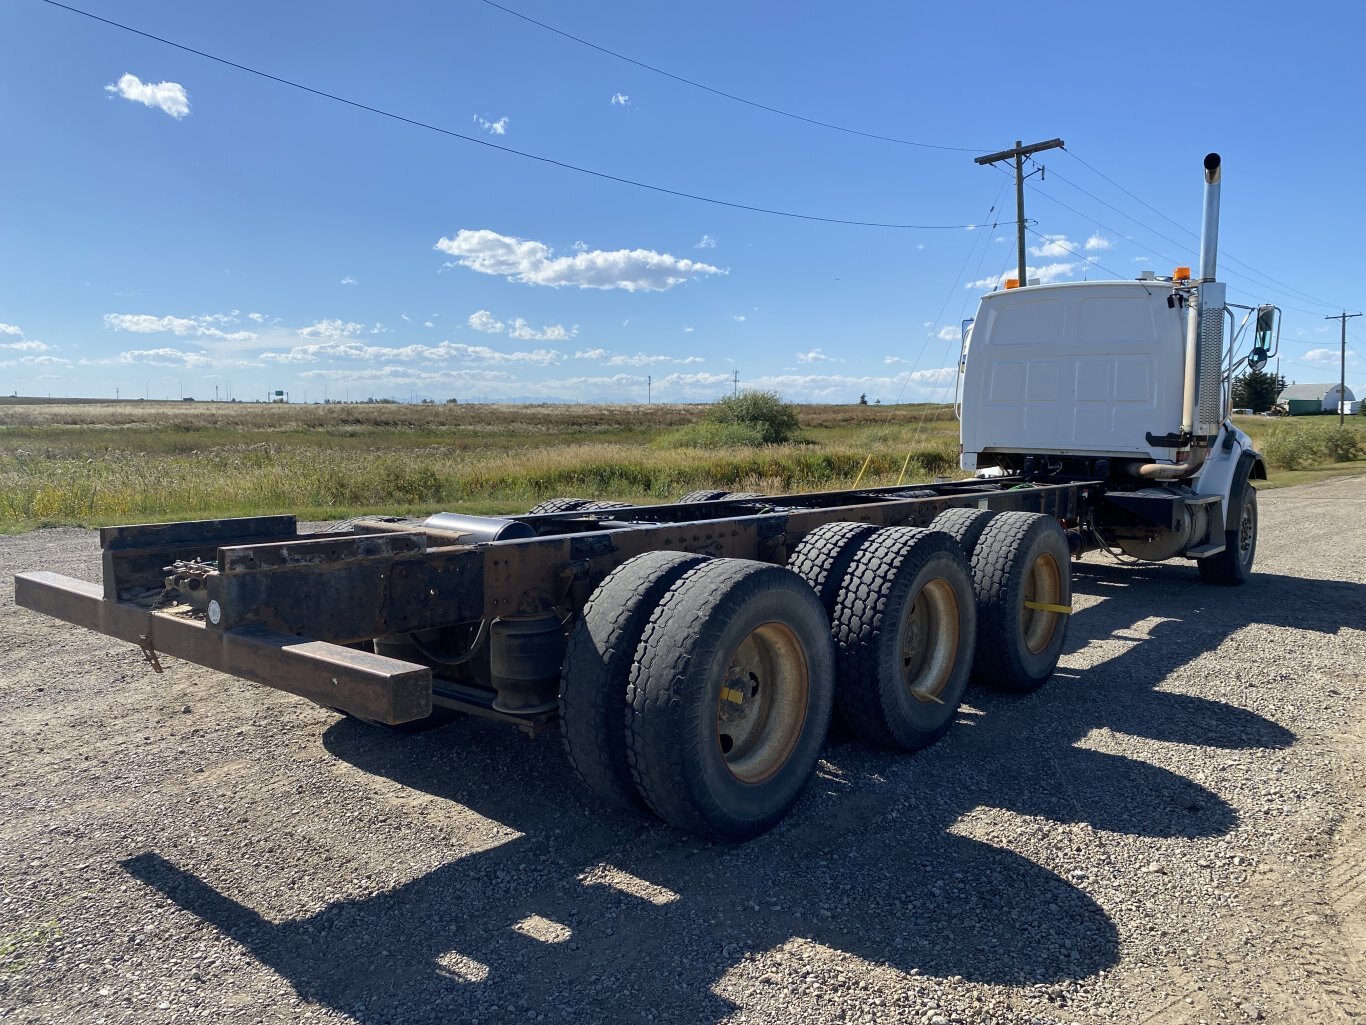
[
  {"x": 1043, "y": 584},
  {"x": 762, "y": 706},
  {"x": 1247, "y": 531},
  {"x": 929, "y": 640}
]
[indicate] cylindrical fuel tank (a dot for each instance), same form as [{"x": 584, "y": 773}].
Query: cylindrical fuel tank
[{"x": 480, "y": 528}]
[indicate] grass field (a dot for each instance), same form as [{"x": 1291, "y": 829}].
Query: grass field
[
  {"x": 97, "y": 463},
  {"x": 101, "y": 463}
]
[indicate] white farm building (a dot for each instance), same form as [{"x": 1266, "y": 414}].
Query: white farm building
[{"x": 1301, "y": 399}]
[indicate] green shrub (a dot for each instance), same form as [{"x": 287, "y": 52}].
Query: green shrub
[
  {"x": 776, "y": 419},
  {"x": 1288, "y": 447},
  {"x": 1292, "y": 446},
  {"x": 713, "y": 435},
  {"x": 1337, "y": 444}
]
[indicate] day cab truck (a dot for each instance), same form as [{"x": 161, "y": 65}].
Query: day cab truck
[{"x": 691, "y": 655}]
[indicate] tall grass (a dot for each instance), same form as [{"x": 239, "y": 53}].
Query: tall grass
[{"x": 100, "y": 465}]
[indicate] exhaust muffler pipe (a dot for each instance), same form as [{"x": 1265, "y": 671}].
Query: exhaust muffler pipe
[
  {"x": 1194, "y": 396},
  {"x": 1209, "y": 228},
  {"x": 1201, "y": 396}
]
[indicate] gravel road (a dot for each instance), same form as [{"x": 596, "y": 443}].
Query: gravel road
[{"x": 1170, "y": 831}]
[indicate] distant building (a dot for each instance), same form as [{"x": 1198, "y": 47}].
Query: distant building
[{"x": 1304, "y": 399}]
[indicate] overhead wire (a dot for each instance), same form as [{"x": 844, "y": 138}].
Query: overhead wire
[
  {"x": 324, "y": 94},
  {"x": 730, "y": 96},
  {"x": 1223, "y": 254}
]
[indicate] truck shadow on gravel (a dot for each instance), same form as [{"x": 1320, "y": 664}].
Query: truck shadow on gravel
[{"x": 594, "y": 915}]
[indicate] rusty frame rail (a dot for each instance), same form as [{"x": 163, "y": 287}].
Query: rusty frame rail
[
  {"x": 371, "y": 686},
  {"x": 282, "y": 606}
]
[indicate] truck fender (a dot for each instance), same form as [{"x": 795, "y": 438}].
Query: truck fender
[{"x": 1250, "y": 467}]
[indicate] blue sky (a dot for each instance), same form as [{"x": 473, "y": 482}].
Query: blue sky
[{"x": 170, "y": 225}]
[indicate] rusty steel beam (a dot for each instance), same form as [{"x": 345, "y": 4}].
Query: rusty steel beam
[{"x": 370, "y": 686}]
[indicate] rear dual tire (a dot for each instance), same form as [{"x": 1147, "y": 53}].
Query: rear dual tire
[
  {"x": 729, "y": 698},
  {"x": 904, "y": 625},
  {"x": 1022, "y": 579}
]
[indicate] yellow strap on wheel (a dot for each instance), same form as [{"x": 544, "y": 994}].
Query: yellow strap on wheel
[{"x": 1043, "y": 606}]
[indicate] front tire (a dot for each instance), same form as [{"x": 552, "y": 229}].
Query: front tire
[
  {"x": 1233, "y": 565},
  {"x": 730, "y": 698}
]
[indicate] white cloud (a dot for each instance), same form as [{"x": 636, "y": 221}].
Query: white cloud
[
  {"x": 815, "y": 356},
  {"x": 705, "y": 242},
  {"x": 533, "y": 263},
  {"x": 523, "y": 331},
  {"x": 949, "y": 333},
  {"x": 408, "y": 376},
  {"x": 688, "y": 329},
  {"x": 498, "y": 127},
  {"x": 259, "y": 318},
  {"x": 1053, "y": 247},
  {"x": 639, "y": 359},
  {"x": 1142, "y": 259},
  {"x": 1048, "y": 272},
  {"x": 580, "y": 246},
  {"x": 167, "y": 358},
  {"x": 483, "y": 320},
  {"x": 1329, "y": 357},
  {"x": 168, "y": 96},
  {"x": 428, "y": 323},
  {"x": 620, "y": 99},
  {"x": 331, "y": 329},
  {"x": 147, "y": 324},
  {"x": 37, "y": 361},
  {"x": 348, "y": 280},
  {"x": 1098, "y": 243},
  {"x": 27, "y": 345},
  {"x": 739, "y": 318},
  {"x": 348, "y": 350},
  {"x": 10, "y": 329}
]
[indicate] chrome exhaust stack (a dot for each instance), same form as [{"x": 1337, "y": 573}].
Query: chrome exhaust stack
[
  {"x": 1209, "y": 229},
  {"x": 1203, "y": 406}
]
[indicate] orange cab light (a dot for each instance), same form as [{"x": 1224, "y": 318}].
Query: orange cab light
[
  {"x": 1181, "y": 274},
  {"x": 1012, "y": 282}
]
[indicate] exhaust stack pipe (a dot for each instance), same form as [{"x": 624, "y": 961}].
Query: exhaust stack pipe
[
  {"x": 1202, "y": 397},
  {"x": 1209, "y": 229}
]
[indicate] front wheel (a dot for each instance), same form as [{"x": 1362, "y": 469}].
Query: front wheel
[{"x": 1234, "y": 564}]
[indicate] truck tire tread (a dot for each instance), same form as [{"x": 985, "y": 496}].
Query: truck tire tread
[
  {"x": 669, "y": 699},
  {"x": 883, "y": 574},
  {"x": 597, "y": 667}
]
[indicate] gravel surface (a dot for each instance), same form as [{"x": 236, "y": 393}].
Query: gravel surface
[{"x": 1169, "y": 831}]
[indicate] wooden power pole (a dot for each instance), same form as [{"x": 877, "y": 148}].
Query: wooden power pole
[
  {"x": 1018, "y": 154},
  {"x": 1344, "y": 316}
]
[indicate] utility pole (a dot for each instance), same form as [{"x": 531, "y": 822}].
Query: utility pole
[
  {"x": 649, "y": 389},
  {"x": 1344, "y": 316},
  {"x": 736, "y": 389},
  {"x": 1018, "y": 154}
]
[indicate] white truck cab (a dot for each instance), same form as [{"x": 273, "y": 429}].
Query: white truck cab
[{"x": 1126, "y": 383}]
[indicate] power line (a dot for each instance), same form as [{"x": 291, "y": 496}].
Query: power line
[
  {"x": 1223, "y": 255},
  {"x": 1090, "y": 261},
  {"x": 495, "y": 146},
  {"x": 722, "y": 93}
]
